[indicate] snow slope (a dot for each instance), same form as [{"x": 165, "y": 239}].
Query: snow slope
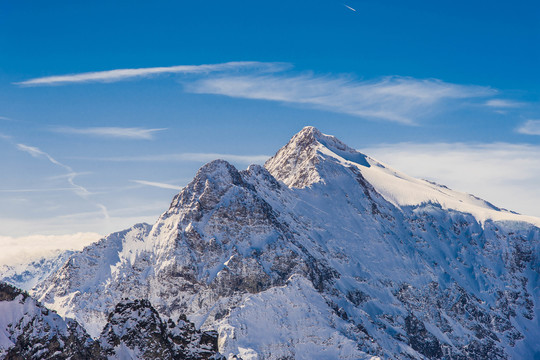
[
  {"x": 28, "y": 276},
  {"x": 395, "y": 186},
  {"x": 324, "y": 252}
]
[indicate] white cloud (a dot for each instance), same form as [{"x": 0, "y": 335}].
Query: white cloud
[
  {"x": 70, "y": 176},
  {"x": 124, "y": 74},
  {"x": 530, "y": 127},
  {"x": 34, "y": 190},
  {"x": 398, "y": 99},
  {"x": 501, "y": 173},
  {"x": 143, "y": 209},
  {"x": 157, "y": 184},
  {"x": 19, "y": 250},
  {"x": 6, "y": 137},
  {"x": 104, "y": 211},
  {"x": 180, "y": 157},
  {"x": 393, "y": 98},
  {"x": 501, "y": 103},
  {"x": 114, "y": 132},
  {"x": 37, "y": 153}
]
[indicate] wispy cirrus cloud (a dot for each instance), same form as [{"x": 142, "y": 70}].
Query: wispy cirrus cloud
[
  {"x": 6, "y": 137},
  {"x": 530, "y": 127},
  {"x": 125, "y": 74},
  {"x": 47, "y": 190},
  {"x": 181, "y": 157},
  {"x": 393, "y": 98},
  {"x": 142, "y": 210},
  {"x": 502, "y": 173},
  {"x": 37, "y": 153},
  {"x": 112, "y": 132},
  {"x": 503, "y": 103},
  {"x": 397, "y": 99},
  {"x": 70, "y": 175},
  {"x": 157, "y": 184}
]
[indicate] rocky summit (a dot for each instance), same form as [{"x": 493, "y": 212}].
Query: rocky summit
[{"x": 323, "y": 253}]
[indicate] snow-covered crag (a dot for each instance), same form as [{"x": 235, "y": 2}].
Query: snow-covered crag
[
  {"x": 28, "y": 330},
  {"x": 26, "y": 276},
  {"x": 134, "y": 330},
  {"x": 322, "y": 253}
]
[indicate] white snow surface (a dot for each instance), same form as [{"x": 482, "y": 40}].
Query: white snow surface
[
  {"x": 26, "y": 276},
  {"x": 324, "y": 253},
  {"x": 291, "y": 318},
  {"x": 395, "y": 186},
  {"x": 22, "y": 315},
  {"x": 403, "y": 190}
]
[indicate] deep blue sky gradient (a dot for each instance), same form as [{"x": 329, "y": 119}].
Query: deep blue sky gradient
[{"x": 493, "y": 44}]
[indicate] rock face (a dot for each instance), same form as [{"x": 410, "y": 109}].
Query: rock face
[
  {"x": 28, "y": 330},
  {"x": 134, "y": 330},
  {"x": 323, "y": 253}
]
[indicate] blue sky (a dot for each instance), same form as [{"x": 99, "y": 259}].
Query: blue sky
[{"x": 448, "y": 91}]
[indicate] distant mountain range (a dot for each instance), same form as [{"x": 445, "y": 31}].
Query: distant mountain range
[
  {"x": 28, "y": 276},
  {"x": 323, "y": 253}
]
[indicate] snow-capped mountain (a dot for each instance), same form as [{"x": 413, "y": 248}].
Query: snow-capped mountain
[
  {"x": 134, "y": 330},
  {"x": 322, "y": 253},
  {"x": 28, "y": 330},
  {"x": 26, "y": 276}
]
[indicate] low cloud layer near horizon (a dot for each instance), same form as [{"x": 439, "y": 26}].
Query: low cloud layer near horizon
[{"x": 24, "y": 249}]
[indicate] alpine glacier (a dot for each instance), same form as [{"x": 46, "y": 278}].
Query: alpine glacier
[{"x": 323, "y": 253}]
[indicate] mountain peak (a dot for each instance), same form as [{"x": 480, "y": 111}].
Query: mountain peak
[
  {"x": 297, "y": 163},
  {"x": 309, "y": 132},
  {"x": 218, "y": 170},
  {"x": 218, "y": 175},
  {"x": 311, "y": 135},
  {"x": 211, "y": 182}
]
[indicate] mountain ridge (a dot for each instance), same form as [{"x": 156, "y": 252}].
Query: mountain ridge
[{"x": 364, "y": 270}]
